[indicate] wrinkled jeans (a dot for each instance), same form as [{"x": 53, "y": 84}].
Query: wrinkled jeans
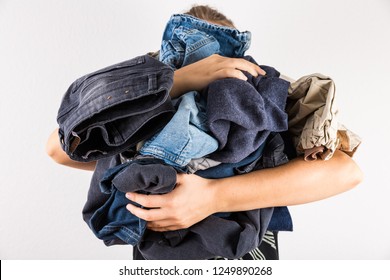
[
  {"x": 112, "y": 109},
  {"x": 187, "y": 39}
]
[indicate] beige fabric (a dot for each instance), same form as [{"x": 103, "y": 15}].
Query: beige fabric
[
  {"x": 313, "y": 121},
  {"x": 349, "y": 141}
]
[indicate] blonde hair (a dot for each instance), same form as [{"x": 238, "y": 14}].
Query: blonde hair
[{"x": 209, "y": 14}]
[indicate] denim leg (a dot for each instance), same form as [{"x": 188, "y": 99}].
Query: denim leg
[
  {"x": 113, "y": 223},
  {"x": 184, "y": 137}
]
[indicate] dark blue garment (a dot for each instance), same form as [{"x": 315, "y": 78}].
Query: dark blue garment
[
  {"x": 232, "y": 232},
  {"x": 96, "y": 198},
  {"x": 110, "y": 110},
  {"x": 112, "y": 222},
  {"x": 247, "y": 111},
  {"x": 225, "y": 170},
  {"x": 281, "y": 218},
  {"x": 230, "y": 237},
  {"x": 187, "y": 39}
]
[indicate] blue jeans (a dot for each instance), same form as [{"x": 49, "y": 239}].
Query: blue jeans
[
  {"x": 112, "y": 222},
  {"x": 108, "y": 111},
  {"x": 187, "y": 39},
  {"x": 185, "y": 137}
]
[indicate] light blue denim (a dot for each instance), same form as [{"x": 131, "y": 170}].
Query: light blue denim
[
  {"x": 185, "y": 136},
  {"x": 187, "y": 39}
]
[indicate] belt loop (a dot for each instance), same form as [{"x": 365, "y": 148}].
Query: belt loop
[
  {"x": 152, "y": 82},
  {"x": 75, "y": 142}
]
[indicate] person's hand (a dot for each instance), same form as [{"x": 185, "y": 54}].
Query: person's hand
[
  {"x": 191, "y": 201},
  {"x": 198, "y": 75}
]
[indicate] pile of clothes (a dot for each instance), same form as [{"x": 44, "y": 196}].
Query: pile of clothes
[{"x": 123, "y": 117}]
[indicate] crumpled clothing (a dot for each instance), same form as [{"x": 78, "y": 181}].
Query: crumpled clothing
[{"x": 313, "y": 119}]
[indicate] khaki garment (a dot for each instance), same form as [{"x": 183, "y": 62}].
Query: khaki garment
[{"x": 313, "y": 121}]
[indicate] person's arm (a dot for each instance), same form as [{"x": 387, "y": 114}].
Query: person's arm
[
  {"x": 296, "y": 182},
  {"x": 54, "y": 150}
]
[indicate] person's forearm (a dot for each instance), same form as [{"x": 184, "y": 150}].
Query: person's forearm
[
  {"x": 180, "y": 86},
  {"x": 296, "y": 182},
  {"x": 54, "y": 150}
]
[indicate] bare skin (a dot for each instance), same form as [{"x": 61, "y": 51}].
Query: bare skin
[{"x": 195, "y": 198}]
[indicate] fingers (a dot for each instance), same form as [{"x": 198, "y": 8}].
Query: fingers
[
  {"x": 244, "y": 65},
  {"x": 148, "y": 201},
  {"x": 156, "y": 214},
  {"x": 233, "y": 67},
  {"x": 165, "y": 226},
  {"x": 231, "y": 73},
  {"x": 154, "y": 203},
  {"x": 156, "y": 218}
]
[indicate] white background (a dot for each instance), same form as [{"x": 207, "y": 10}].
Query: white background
[{"x": 45, "y": 45}]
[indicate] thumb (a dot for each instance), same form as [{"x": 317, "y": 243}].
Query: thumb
[{"x": 180, "y": 178}]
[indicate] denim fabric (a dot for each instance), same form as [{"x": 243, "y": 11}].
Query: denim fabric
[
  {"x": 187, "y": 39},
  {"x": 96, "y": 198},
  {"x": 247, "y": 112},
  {"x": 112, "y": 222},
  {"x": 281, "y": 220},
  {"x": 229, "y": 237},
  {"x": 185, "y": 136},
  {"x": 107, "y": 111}
]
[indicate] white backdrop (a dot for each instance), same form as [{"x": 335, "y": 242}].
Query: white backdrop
[{"x": 45, "y": 45}]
